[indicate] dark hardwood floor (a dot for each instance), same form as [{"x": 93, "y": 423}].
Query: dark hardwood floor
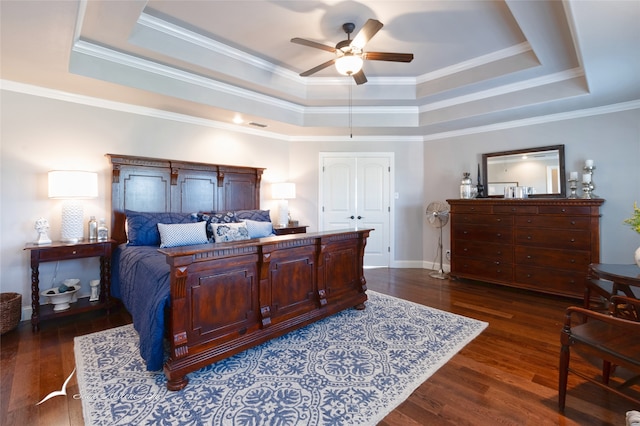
[{"x": 507, "y": 375}]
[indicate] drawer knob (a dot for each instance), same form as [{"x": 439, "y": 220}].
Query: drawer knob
[
  {"x": 528, "y": 275},
  {"x": 529, "y": 237},
  {"x": 529, "y": 256},
  {"x": 573, "y": 222},
  {"x": 499, "y": 234},
  {"x": 564, "y": 210},
  {"x": 498, "y": 220},
  {"x": 74, "y": 252},
  {"x": 529, "y": 221},
  {"x": 572, "y": 261},
  {"x": 499, "y": 252},
  {"x": 465, "y": 232},
  {"x": 465, "y": 249},
  {"x": 573, "y": 240}
]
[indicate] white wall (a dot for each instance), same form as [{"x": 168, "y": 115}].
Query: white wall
[
  {"x": 40, "y": 134},
  {"x": 611, "y": 140}
]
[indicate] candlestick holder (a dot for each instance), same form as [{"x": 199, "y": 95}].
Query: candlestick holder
[
  {"x": 573, "y": 185},
  {"x": 588, "y": 188}
]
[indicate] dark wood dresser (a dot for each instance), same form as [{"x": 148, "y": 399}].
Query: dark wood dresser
[{"x": 538, "y": 244}]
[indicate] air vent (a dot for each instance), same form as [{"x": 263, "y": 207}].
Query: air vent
[{"x": 253, "y": 123}]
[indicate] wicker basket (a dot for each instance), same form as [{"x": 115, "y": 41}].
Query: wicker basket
[{"x": 10, "y": 307}]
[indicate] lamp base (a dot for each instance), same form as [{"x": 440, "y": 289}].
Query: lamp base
[
  {"x": 72, "y": 229},
  {"x": 283, "y": 213}
]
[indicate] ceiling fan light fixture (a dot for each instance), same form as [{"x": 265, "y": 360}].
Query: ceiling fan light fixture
[{"x": 349, "y": 64}]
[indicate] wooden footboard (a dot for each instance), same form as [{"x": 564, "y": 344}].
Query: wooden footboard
[{"x": 228, "y": 297}]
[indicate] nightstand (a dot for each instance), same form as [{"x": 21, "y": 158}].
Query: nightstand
[
  {"x": 285, "y": 230},
  {"x": 63, "y": 251}
]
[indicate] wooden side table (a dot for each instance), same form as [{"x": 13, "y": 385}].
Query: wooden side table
[
  {"x": 286, "y": 230},
  {"x": 63, "y": 251}
]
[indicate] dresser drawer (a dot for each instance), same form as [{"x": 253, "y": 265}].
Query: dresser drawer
[
  {"x": 562, "y": 222},
  {"x": 482, "y": 219},
  {"x": 568, "y": 210},
  {"x": 550, "y": 280},
  {"x": 474, "y": 207},
  {"x": 558, "y": 238},
  {"x": 490, "y": 234},
  {"x": 482, "y": 269},
  {"x": 574, "y": 260},
  {"x": 483, "y": 250},
  {"x": 515, "y": 208}
]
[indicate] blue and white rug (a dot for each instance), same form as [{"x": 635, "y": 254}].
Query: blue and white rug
[{"x": 352, "y": 368}]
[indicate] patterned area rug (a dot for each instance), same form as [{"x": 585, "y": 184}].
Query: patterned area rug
[{"x": 352, "y": 368}]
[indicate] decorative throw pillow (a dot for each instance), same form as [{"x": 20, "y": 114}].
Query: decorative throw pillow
[
  {"x": 258, "y": 229},
  {"x": 223, "y": 232},
  {"x": 142, "y": 227},
  {"x": 182, "y": 234},
  {"x": 214, "y": 217},
  {"x": 257, "y": 215}
]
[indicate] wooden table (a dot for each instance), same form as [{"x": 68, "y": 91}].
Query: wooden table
[
  {"x": 63, "y": 251},
  {"x": 623, "y": 277}
]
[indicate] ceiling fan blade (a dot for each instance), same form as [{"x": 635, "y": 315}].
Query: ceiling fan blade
[
  {"x": 359, "y": 77},
  {"x": 383, "y": 56},
  {"x": 310, "y": 43},
  {"x": 318, "y": 68},
  {"x": 368, "y": 30}
]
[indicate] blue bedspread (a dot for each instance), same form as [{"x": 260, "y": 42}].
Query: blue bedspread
[{"x": 140, "y": 279}]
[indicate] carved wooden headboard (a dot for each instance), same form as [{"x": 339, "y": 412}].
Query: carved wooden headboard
[{"x": 158, "y": 185}]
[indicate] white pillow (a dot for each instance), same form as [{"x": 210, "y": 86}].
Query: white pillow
[
  {"x": 259, "y": 229},
  {"x": 182, "y": 234},
  {"x": 235, "y": 231}
]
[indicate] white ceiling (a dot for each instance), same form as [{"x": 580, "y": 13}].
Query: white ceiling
[{"x": 478, "y": 64}]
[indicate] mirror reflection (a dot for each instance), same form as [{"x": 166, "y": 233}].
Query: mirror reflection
[{"x": 540, "y": 169}]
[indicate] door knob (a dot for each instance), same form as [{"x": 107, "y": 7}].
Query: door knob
[
  {"x": 360, "y": 217},
  {"x": 352, "y": 217}
]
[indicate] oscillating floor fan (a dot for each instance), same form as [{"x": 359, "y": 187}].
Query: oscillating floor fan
[{"x": 438, "y": 216}]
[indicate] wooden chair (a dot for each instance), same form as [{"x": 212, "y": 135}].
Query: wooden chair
[
  {"x": 613, "y": 337},
  {"x": 605, "y": 289}
]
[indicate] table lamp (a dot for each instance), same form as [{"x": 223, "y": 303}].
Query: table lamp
[
  {"x": 72, "y": 186},
  {"x": 283, "y": 192}
]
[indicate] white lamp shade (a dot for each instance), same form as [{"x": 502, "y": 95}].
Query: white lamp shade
[
  {"x": 349, "y": 64},
  {"x": 73, "y": 184},
  {"x": 283, "y": 191}
]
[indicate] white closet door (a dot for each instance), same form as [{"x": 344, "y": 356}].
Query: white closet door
[{"x": 356, "y": 194}]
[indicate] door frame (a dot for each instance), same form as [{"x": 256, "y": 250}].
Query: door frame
[{"x": 354, "y": 154}]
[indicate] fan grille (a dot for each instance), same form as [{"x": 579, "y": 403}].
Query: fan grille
[{"x": 438, "y": 213}]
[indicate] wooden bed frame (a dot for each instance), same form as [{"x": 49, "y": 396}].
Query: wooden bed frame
[{"x": 228, "y": 297}]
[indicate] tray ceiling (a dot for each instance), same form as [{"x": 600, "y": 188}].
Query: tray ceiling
[{"x": 477, "y": 64}]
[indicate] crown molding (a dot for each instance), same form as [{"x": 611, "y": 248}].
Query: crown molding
[{"x": 155, "y": 113}]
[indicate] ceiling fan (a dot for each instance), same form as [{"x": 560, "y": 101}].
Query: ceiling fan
[{"x": 350, "y": 54}]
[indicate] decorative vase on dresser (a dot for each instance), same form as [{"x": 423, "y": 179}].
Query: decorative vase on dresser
[{"x": 539, "y": 244}]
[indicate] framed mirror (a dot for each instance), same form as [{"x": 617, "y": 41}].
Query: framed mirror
[{"x": 541, "y": 169}]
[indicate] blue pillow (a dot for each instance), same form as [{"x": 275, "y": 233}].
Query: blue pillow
[
  {"x": 142, "y": 227},
  {"x": 257, "y": 215},
  {"x": 259, "y": 229}
]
